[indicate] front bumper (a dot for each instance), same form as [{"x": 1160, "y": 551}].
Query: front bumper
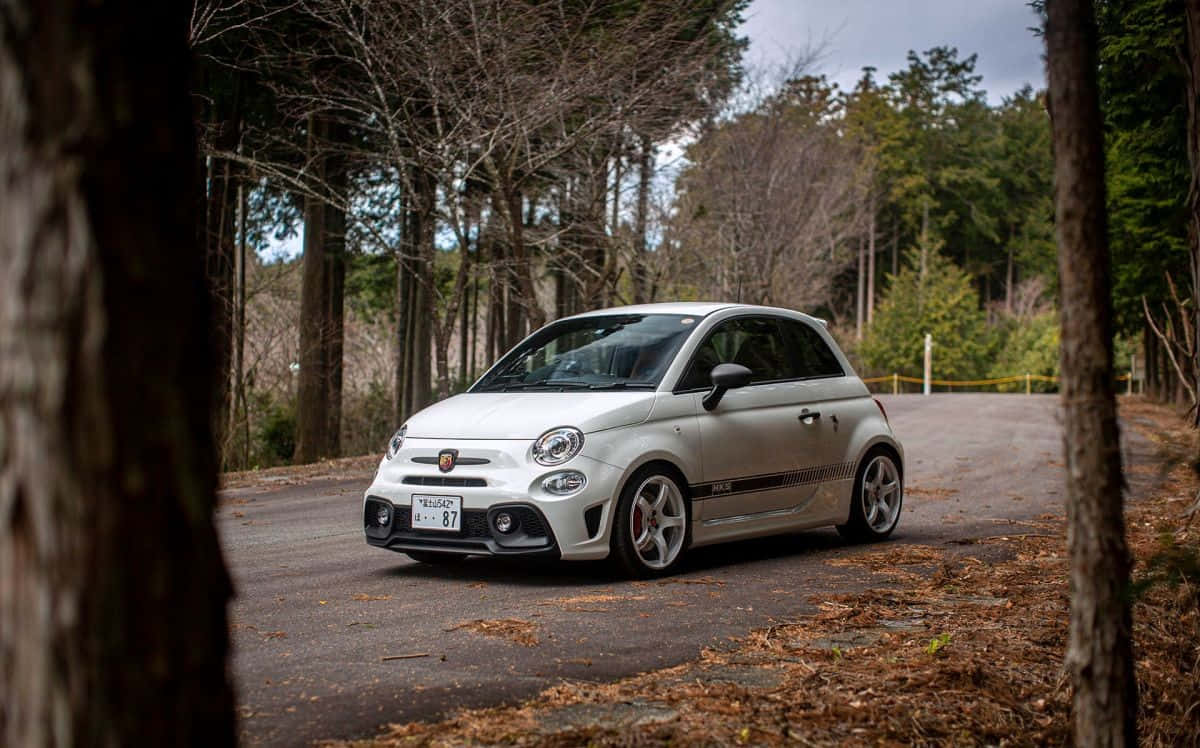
[
  {"x": 503, "y": 477},
  {"x": 532, "y": 536}
]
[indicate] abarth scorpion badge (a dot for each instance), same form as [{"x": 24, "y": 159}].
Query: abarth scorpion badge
[{"x": 447, "y": 459}]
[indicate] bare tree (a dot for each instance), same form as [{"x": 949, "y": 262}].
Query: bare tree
[
  {"x": 1100, "y": 648},
  {"x": 112, "y": 585},
  {"x": 773, "y": 207}
]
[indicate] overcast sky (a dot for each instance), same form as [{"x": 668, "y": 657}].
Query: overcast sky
[{"x": 857, "y": 33}]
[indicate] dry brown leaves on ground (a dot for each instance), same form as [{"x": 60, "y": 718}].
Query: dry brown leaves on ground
[
  {"x": 519, "y": 632},
  {"x": 289, "y": 475},
  {"x": 946, "y": 649}
]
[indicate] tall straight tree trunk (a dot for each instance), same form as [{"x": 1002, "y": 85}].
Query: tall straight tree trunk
[
  {"x": 220, "y": 250},
  {"x": 871, "y": 262},
  {"x": 1192, "y": 17},
  {"x": 112, "y": 585},
  {"x": 333, "y": 341},
  {"x": 640, "y": 247},
  {"x": 403, "y": 282},
  {"x": 1099, "y": 649},
  {"x": 312, "y": 398},
  {"x": 421, "y": 345},
  {"x": 859, "y": 298}
]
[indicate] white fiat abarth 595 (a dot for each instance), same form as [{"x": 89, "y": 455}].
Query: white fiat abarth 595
[{"x": 638, "y": 433}]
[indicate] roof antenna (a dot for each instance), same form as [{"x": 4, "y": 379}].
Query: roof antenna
[{"x": 739, "y": 290}]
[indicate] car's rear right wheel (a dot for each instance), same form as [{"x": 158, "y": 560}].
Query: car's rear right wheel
[{"x": 877, "y": 498}]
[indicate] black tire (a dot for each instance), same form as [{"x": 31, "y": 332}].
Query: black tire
[
  {"x": 862, "y": 526},
  {"x": 436, "y": 557},
  {"x": 625, "y": 553}
]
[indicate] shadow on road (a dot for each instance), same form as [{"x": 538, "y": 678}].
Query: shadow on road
[{"x": 548, "y": 573}]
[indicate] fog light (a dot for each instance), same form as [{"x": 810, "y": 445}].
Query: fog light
[
  {"x": 566, "y": 482},
  {"x": 382, "y": 516},
  {"x": 504, "y": 522}
]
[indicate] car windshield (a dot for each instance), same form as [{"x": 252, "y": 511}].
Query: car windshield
[{"x": 626, "y": 351}]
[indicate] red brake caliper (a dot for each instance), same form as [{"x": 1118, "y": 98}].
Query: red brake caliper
[{"x": 637, "y": 522}]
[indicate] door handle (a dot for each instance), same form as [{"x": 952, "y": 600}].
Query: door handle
[{"x": 810, "y": 417}]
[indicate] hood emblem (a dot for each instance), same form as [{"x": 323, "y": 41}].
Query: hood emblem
[{"x": 447, "y": 459}]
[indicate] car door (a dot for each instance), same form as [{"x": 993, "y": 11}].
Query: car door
[
  {"x": 823, "y": 444},
  {"x": 747, "y": 443}
]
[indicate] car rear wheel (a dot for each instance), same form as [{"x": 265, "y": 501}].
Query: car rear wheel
[
  {"x": 653, "y": 523},
  {"x": 436, "y": 557},
  {"x": 877, "y": 498}
]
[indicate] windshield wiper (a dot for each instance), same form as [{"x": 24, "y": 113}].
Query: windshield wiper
[
  {"x": 624, "y": 386},
  {"x": 531, "y": 385}
]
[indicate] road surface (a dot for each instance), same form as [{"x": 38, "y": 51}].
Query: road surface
[{"x": 317, "y": 609}]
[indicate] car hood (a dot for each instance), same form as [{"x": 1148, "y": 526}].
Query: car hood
[{"x": 527, "y": 415}]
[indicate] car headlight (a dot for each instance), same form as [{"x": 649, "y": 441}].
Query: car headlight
[
  {"x": 564, "y": 483},
  {"x": 556, "y": 446},
  {"x": 396, "y": 442}
]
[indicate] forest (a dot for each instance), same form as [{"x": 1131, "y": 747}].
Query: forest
[{"x": 459, "y": 173}]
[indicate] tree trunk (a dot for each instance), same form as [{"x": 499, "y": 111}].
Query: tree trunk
[
  {"x": 220, "y": 250},
  {"x": 860, "y": 294},
  {"x": 1192, "y": 15},
  {"x": 112, "y": 585},
  {"x": 333, "y": 340},
  {"x": 400, "y": 402},
  {"x": 1099, "y": 650},
  {"x": 871, "y": 262},
  {"x": 312, "y": 399},
  {"x": 640, "y": 245}
]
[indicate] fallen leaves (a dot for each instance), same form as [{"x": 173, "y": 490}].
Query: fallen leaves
[{"x": 512, "y": 629}]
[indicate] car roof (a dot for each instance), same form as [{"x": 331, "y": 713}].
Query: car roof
[{"x": 697, "y": 308}]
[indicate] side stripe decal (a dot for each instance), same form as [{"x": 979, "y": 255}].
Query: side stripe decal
[{"x": 771, "y": 481}]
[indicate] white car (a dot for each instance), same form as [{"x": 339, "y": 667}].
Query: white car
[{"x": 638, "y": 433}]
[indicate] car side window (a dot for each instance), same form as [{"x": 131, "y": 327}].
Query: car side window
[
  {"x": 758, "y": 343},
  {"x": 811, "y": 355}
]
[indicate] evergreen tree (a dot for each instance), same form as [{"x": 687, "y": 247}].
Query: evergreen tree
[{"x": 931, "y": 295}]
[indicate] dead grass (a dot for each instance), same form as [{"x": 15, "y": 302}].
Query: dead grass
[{"x": 947, "y": 649}]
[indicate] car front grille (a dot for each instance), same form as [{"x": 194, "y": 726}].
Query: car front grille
[{"x": 443, "y": 481}]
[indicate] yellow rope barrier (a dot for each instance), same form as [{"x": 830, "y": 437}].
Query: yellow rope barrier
[{"x": 974, "y": 382}]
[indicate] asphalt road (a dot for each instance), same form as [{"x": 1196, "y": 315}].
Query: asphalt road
[{"x": 317, "y": 609}]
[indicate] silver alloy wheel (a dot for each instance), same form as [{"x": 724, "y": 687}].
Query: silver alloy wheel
[
  {"x": 657, "y": 521},
  {"x": 881, "y": 493}
]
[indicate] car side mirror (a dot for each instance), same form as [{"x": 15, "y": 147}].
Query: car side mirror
[{"x": 725, "y": 377}]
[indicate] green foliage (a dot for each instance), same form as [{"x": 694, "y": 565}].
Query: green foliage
[
  {"x": 275, "y": 435},
  {"x": 371, "y": 284},
  {"x": 1142, "y": 86},
  {"x": 1028, "y": 347},
  {"x": 937, "y": 644},
  {"x": 942, "y": 302}
]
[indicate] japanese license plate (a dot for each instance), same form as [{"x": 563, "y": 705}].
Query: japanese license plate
[{"x": 437, "y": 513}]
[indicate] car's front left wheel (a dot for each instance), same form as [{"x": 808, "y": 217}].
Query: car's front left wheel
[{"x": 653, "y": 523}]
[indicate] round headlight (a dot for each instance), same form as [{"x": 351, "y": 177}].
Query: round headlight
[
  {"x": 556, "y": 446},
  {"x": 566, "y": 482},
  {"x": 396, "y": 442}
]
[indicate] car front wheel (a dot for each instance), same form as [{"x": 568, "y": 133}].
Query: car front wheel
[
  {"x": 652, "y": 524},
  {"x": 878, "y": 496}
]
